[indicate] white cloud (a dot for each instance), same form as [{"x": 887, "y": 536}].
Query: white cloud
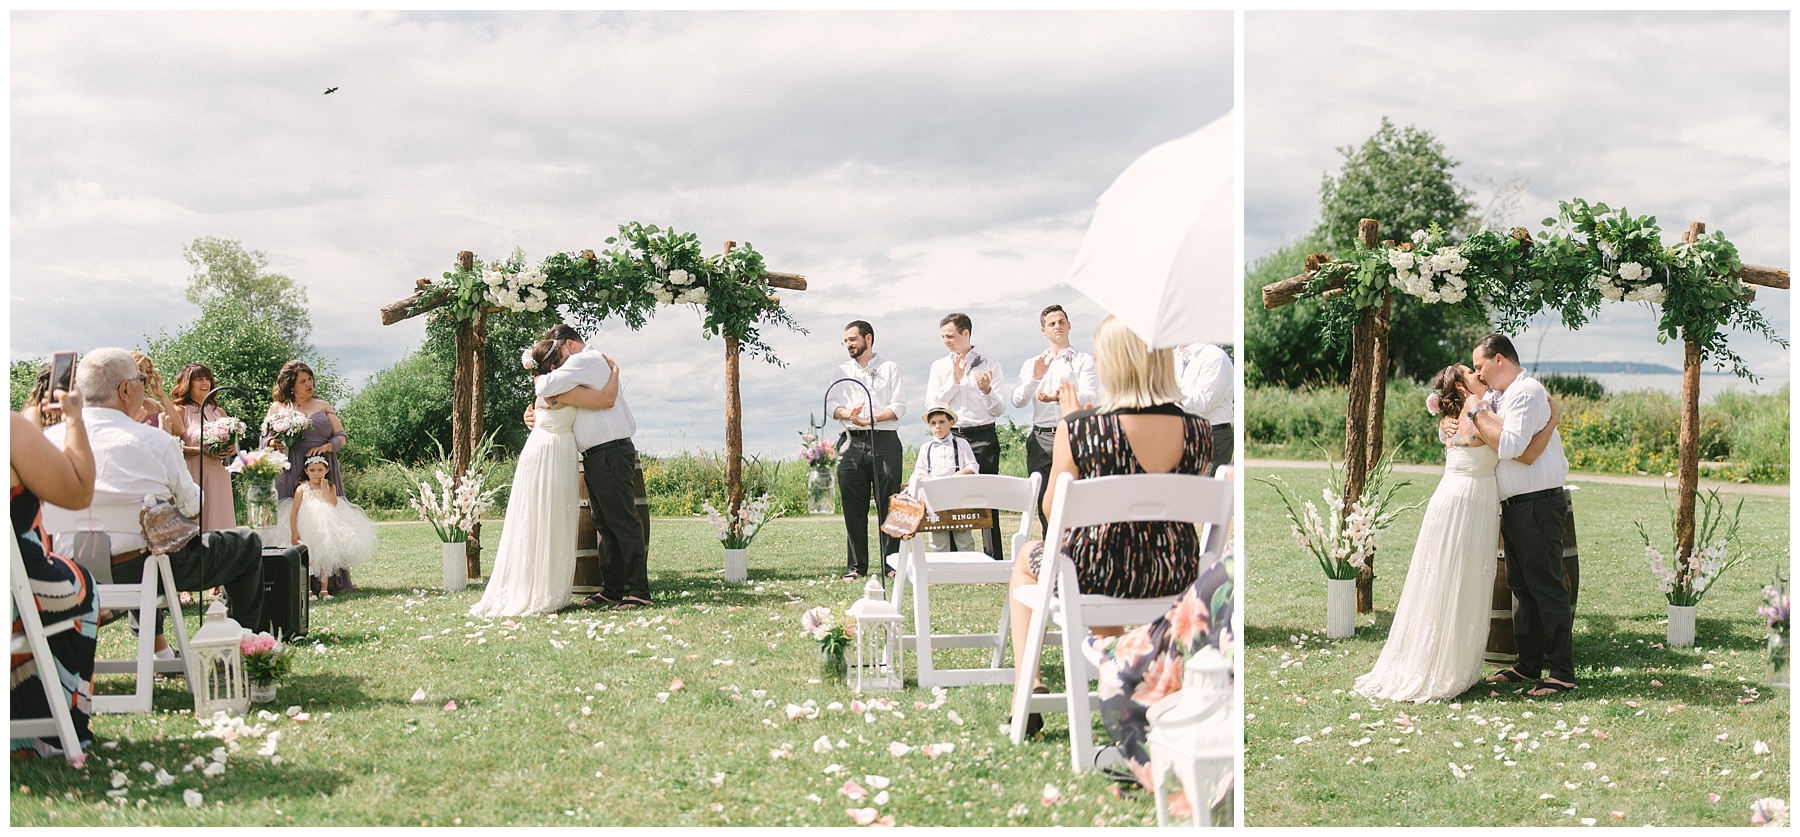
[
  {"x": 908, "y": 163},
  {"x": 1679, "y": 115}
]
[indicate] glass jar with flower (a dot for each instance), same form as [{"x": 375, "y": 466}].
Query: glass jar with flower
[
  {"x": 834, "y": 639},
  {"x": 266, "y": 661},
  {"x": 260, "y": 468},
  {"x": 820, "y": 456}
]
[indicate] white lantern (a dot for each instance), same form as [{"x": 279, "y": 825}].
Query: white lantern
[
  {"x": 219, "y": 660},
  {"x": 877, "y": 664},
  {"x": 1193, "y": 734}
]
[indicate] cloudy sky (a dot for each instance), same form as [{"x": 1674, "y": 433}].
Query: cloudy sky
[
  {"x": 1681, "y": 116},
  {"x": 907, "y": 164}
]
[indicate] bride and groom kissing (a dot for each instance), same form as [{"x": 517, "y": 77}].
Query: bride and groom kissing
[
  {"x": 1504, "y": 471},
  {"x": 579, "y": 414}
]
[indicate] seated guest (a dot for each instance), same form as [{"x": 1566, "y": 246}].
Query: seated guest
[
  {"x": 1139, "y": 428},
  {"x": 133, "y": 462},
  {"x": 1146, "y": 663},
  {"x": 62, "y": 588}
]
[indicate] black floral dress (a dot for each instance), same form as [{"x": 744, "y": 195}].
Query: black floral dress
[
  {"x": 1143, "y": 665},
  {"x": 1131, "y": 560},
  {"x": 64, "y": 590}
]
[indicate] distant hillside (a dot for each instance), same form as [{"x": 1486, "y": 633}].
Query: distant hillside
[{"x": 1583, "y": 367}]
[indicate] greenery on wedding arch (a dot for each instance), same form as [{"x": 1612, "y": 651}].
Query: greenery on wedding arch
[
  {"x": 647, "y": 267},
  {"x": 1589, "y": 253}
]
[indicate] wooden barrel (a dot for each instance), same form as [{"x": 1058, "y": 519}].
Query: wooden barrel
[
  {"x": 1502, "y": 646},
  {"x": 587, "y": 546}
]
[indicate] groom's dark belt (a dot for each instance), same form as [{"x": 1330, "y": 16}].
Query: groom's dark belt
[
  {"x": 1531, "y": 495},
  {"x": 616, "y": 443}
]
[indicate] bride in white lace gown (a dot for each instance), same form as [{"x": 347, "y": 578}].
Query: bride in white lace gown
[
  {"x": 534, "y": 568},
  {"x": 1434, "y": 647}
]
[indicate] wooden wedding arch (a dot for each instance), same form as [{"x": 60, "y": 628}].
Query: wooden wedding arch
[
  {"x": 1367, "y": 397},
  {"x": 469, "y": 398}
]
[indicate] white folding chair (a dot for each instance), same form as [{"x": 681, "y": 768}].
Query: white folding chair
[
  {"x": 1057, "y": 597},
  {"x": 35, "y": 639},
  {"x": 923, "y": 570},
  {"x": 156, "y": 589}
]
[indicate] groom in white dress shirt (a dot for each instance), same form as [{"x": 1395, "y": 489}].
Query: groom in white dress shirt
[
  {"x": 603, "y": 430},
  {"x": 1533, "y": 511}
]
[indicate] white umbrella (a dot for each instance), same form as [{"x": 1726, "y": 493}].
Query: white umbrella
[{"x": 1159, "y": 254}]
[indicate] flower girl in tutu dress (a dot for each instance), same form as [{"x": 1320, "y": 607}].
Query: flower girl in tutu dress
[{"x": 337, "y": 534}]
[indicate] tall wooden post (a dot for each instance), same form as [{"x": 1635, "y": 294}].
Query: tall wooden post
[
  {"x": 465, "y": 415},
  {"x": 734, "y": 425},
  {"x": 1688, "y": 479},
  {"x": 1362, "y": 419}
]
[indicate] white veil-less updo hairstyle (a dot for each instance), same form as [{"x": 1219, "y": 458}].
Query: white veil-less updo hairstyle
[{"x": 1132, "y": 375}]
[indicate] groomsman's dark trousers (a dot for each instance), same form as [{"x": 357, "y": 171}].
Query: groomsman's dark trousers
[
  {"x": 862, "y": 477},
  {"x": 1531, "y": 525},
  {"x": 610, "y": 471},
  {"x": 1222, "y": 445},
  {"x": 1040, "y": 446},
  {"x": 986, "y": 445}
]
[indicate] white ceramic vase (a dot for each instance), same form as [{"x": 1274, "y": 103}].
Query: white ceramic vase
[
  {"x": 456, "y": 565},
  {"x": 737, "y": 566},
  {"x": 1340, "y": 607},
  {"x": 1681, "y": 627}
]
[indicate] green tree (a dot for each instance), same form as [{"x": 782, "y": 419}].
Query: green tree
[
  {"x": 1402, "y": 178},
  {"x": 223, "y": 269},
  {"x": 23, "y": 375},
  {"x": 403, "y": 414},
  {"x": 243, "y": 351}
]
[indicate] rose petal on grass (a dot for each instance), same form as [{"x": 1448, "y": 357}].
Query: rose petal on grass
[
  {"x": 676, "y": 685},
  {"x": 877, "y": 782},
  {"x": 954, "y": 718},
  {"x": 794, "y": 711},
  {"x": 1619, "y": 814},
  {"x": 1588, "y": 820},
  {"x": 853, "y": 790},
  {"x": 823, "y": 745},
  {"x": 1656, "y": 682},
  {"x": 1051, "y": 795},
  {"x": 1713, "y": 797},
  {"x": 192, "y": 798},
  {"x": 1760, "y": 748},
  {"x": 662, "y": 697},
  {"x": 862, "y": 816},
  {"x": 898, "y": 749}
]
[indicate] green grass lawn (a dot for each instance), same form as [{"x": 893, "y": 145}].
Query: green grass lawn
[
  {"x": 672, "y": 715},
  {"x": 1623, "y": 750}
]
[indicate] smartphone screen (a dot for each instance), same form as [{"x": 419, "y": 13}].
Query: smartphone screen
[{"x": 62, "y": 371}]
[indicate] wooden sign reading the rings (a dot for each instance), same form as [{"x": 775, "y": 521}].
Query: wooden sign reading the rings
[{"x": 958, "y": 520}]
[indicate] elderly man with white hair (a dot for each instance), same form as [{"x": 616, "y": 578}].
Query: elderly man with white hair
[{"x": 133, "y": 461}]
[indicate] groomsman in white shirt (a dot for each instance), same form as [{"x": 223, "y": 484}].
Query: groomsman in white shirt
[
  {"x": 869, "y": 451},
  {"x": 1205, "y": 373},
  {"x": 970, "y": 385},
  {"x": 1040, "y": 378}
]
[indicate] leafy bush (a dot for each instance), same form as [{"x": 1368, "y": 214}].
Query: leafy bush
[
  {"x": 1573, "y": 385},
  {"x": 23, "y": 374},
  {"x": 1741, "y": 435}
]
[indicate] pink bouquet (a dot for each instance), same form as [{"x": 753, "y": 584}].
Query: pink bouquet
[
  {"x": 259, "y": 464},
  {"x": 287, "y": 425},
  {"x": 265, "y": 658},
  {"x": 818, "y": 453},
  {"x": 221, "y": 435}
]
